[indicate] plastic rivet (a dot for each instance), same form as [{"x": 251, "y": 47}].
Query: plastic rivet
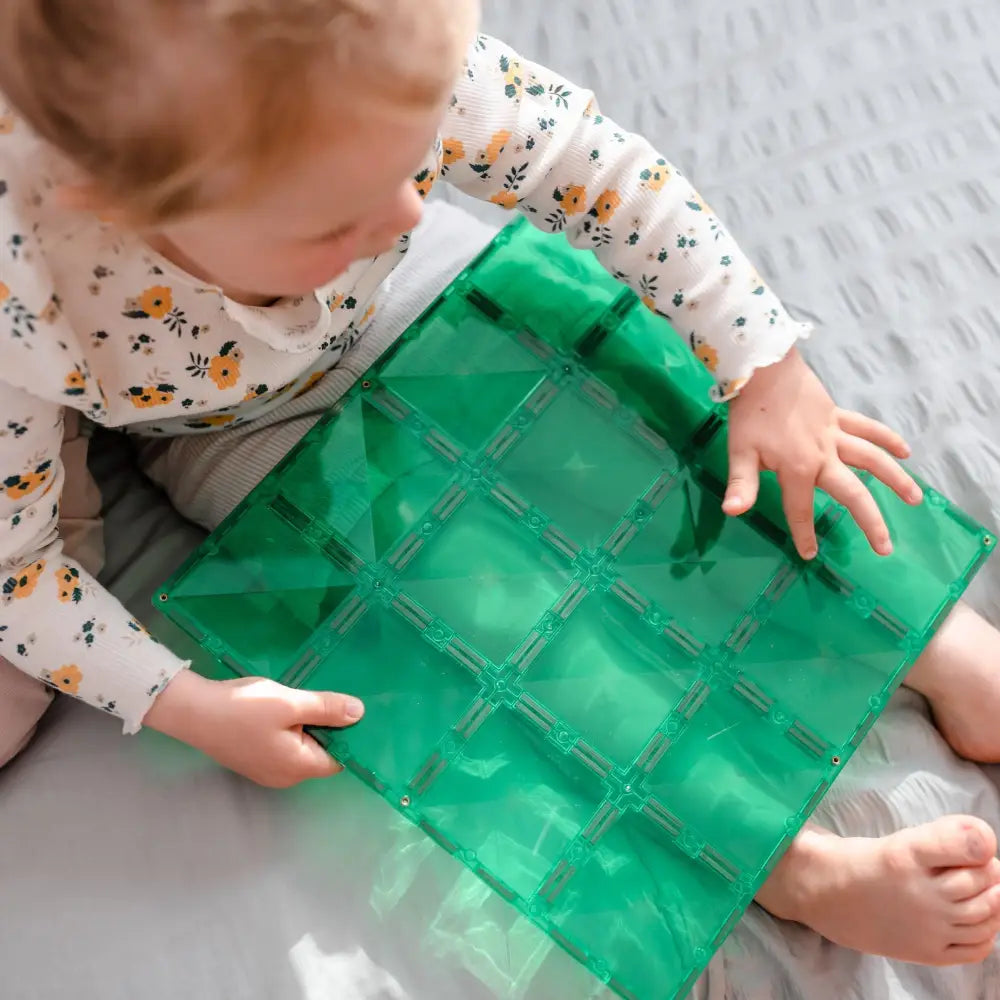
[
  {"x": 366, "y": 384},
  {"x": 836, "y": 762},
  {"x": 628, "y": 788},
  {"x": 164, "y": 598},
  {"x": 405, "y": 801}
]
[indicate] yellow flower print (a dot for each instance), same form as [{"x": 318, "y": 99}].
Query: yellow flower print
[
  {"x": 573, "y": 199},
  {"x": 23, "y": 582},
  {"x": 591, "y": 109},
  {"x": 75, "y": 382},
  {"x": 224, "y": 368},
  {"x": 156, "y": 302},
  {"x": 497, "y": 145},
  {"x": 337, "y": 302},
  {"x": 729, "y": 388},
  {"x": 66, "y": 679},
  {"x": 607, "y": 204},
  {"x": 650, "y": 303},
  {"x": 655, "y": 177},
  {"x": 369, "y": 315},
  {"x": 145, "y": 397},
  {"x": 213, "y": 420},
  {"x": 424, "y": 182},
  {"x": 454, "y": 151},
  {"x": 487, "y": 157},
  {"x": 513, "y": 78},
  {"x": 255, "y": 392},
  {"x": 505, "y": 199},
  {"x": 24, "y": 485},
  {"x": 68, "y": 579},
  {"x": 4, "y": 293},
  {"x": 705, "y": 353},
  {"x": 311, "y": 383}
]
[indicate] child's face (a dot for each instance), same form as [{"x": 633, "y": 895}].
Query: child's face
[{"x": 336, "y": 204}]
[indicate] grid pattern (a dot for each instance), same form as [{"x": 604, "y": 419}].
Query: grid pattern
[{"x": 612, "y": 703}]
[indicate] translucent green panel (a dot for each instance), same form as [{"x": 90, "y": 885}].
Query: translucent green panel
[{"x": 614, "y": 705}]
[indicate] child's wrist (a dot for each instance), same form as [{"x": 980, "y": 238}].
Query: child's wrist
[{"x": 179, "y": 708}]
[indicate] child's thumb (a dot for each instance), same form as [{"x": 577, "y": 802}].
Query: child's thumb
[{"x": 325, "y": 708}]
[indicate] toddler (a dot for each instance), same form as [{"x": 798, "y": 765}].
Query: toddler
[{"x": 200, "y": 205}]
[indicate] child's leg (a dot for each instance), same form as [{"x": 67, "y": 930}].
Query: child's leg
[
  {"x": 958, "y": 675},
  {"x": 928, "y": 895}
]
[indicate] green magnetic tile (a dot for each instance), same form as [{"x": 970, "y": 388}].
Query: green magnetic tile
[
  {"x": 470, "y": 381},
  {"x": 608, "y": 701},
  {"x": 263, "y": 593},
  {"x": 566, "y": 294},
  {"x": 367, "y": 482},
  {"x": 665, "y": 384},
  {"x": 518, "y": 807},
  {"x": 637, "y": 878},
  {"x": 825, "y": 658},
  {"x": 610, "y": 676},
  {"x": 486, "y": 577},
  {"x": 409, "y": 688},
  {"x": 702, "y": 568},
  {"x": 932, "y": 551},
  {"x": 587, "y": 488},
  {"x": 734, "y": 778}
]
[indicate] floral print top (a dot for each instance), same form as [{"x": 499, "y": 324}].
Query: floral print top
[{"x": 91, "y": 318}]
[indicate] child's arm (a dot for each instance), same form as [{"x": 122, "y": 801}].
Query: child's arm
[
  {"x": 522, "y": 137},
  {"x": 56, "y": 622},
  {"x": 59, "y": 624}
]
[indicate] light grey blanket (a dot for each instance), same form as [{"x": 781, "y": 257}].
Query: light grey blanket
[{"x": 854, "y": 146}]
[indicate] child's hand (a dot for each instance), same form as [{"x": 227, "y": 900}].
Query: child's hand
[
  {"x": 784, "y": 421},
  {"x": 253, "y": 726}
]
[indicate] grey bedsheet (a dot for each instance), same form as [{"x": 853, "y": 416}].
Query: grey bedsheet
[{"x": 855, "y": 148}]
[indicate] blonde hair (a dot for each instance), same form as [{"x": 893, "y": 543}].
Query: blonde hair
[{"x": 170, "y": 106}]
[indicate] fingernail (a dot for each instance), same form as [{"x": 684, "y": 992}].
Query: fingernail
[
  {"x": 353, "y": 709},
  {"x": 811, "y": 553},
  {"x": 917, "y": 496}
]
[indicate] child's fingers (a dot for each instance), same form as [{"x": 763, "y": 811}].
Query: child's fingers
[
  {"x": 312, "y": 761},
  {"x": 798, "y": 499},
  {"x": 858, "y": 425},
  {"x": 845, "y": 487},
  {"x": 859, "y": 454},
  {"x": 744, "y": 483},
  {"x": 324, "y": 708}
]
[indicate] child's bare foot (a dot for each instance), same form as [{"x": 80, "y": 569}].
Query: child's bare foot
[
  {"x": 959, "y": 674},
  {"x": 928, "y": 895}
]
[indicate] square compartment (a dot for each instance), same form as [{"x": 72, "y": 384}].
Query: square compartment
[
  {"x": 464, "y": 372},
  {"x": 514, "y": 800},
  {"x": 263, "y": 592},
  {"x": 487, "y": 578},
  {"x": 933, "y": 551},
  {"x": 413, "y": 694},
  {"x": 610, "y": 677},
  {"x": 703, "y": 568},
  {"x": 581, "y": 469},
  {"x": 822, "y": 659},
  {"x": 736, "y": 779},
  {"x": 644, "y": 907},
  {"x": 366, "y": 478}
]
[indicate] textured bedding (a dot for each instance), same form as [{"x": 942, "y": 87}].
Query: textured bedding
[{"x": 855, "y": 149}]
